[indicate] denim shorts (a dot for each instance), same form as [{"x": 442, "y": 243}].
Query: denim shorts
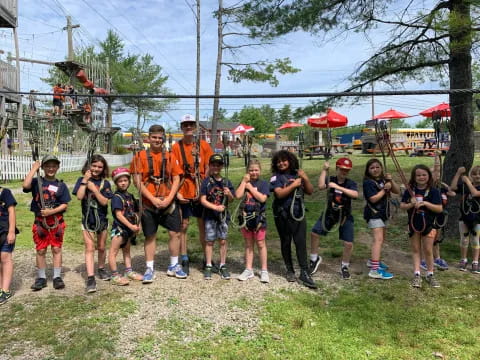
[
  {"x": 345, "y": 231},
  {"x": 4, "y": 245},
  {"x": 376, "y": 223},
  {"x": 215, "y": 229}
]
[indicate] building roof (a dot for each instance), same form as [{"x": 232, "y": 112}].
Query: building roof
[{"x": 221, "y": 126}]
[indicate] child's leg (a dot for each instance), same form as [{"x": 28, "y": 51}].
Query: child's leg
[
  {"x": 464, "y": 239},
  {"x": 223, "y": 251},
  {"x": 57, "y": 259},
  {"x": 415, "y": 246},
  {"x": 6, "y": 270},
  {"x": 127, "y": 258},
  {"x": 314, "y": 241},
  {"x": 88, "y": 239},
  {"x": 41, "y": 262},
  {"x": 201, "y": 232},
  {"x": 436, "y": 251},
  {"x": 101, "y": 243},
  {"x": 112, "y": 254},
  {"x": 475, "y": 244},
  {"x": 347, "y": 252},
  {"x": 262, "y": 249},
  {"x": 285, "y": 234},
  {"x": 300, "y": 240},
  {"x": 427, "y": 245},
  {"x": 183, "y": 236},
  {"x": 174, "y": 243},
  {"x": 378, "y": 238},
  {"x": 208, "y": 252},
  {"x": 248, "y": 249}
]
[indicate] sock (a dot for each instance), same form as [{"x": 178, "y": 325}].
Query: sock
[
  {"x": 429, "y": 273},
  {"x": 57, "y": 272},
  {"x": 41, "y": 273},
  {"x": 313, "y": 257},
  {"x": 222, "y": 265},
  {"x": 115, "y": 273},
  {"x": 374, "y": 264},
  {"x": 465, "y": 260},
  {"x": 184, "y": 257},
  {"x": 208, "y": 264},
  {"x": 150, "y": 264},
  {"x": 128, "y": 270},
  {"x": 345, "y": 264},
  {"x": 173, "y": 260},
  {"x": 474, "y": 262},
  {"x": 416, "y": 273}
]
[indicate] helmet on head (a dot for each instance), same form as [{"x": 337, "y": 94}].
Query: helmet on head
[
  {"x": 118, "y": 172},
  {"x": 344, "y": 163}
]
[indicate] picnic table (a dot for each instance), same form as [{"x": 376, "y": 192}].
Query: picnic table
[
  {"x": 320, "y": 149},
  {"x": 396, "y": 146}
]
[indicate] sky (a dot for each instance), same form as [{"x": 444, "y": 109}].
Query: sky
[{"x": 166, "y": 29}]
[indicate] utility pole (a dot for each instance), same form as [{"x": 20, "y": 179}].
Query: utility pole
[
  {"x": 69, "y": 29},
  {"x": 197, "y": 100}
]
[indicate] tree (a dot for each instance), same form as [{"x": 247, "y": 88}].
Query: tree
[
  {"x": 284, "y": 114},
  {"x": 253, "y": 116},
  {"x": 233, "y": 40},
  {"x": 424, "y": 123}
]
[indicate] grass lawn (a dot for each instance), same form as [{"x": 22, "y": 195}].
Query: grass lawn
[{"x": 357, "y": 319}]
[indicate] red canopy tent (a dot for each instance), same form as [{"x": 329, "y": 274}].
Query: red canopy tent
[
  {"x": 242, "y": 129},
  {"x": 331, "y": 119},
  {"x": 443, "y": 109},
  {"x": 289, "y": 125},
  {"x": 391, "y": 114}
]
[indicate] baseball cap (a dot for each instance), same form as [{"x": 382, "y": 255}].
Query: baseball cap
[
  {"x": 187, "y": 118},
  {"x": 48, "y": 158},
  {"x": 216, "y": 158},
  {"x": 118, "y": 172},
  {"x": 344, "y": 163}
]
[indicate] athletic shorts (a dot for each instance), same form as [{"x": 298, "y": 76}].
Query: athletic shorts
[
  {"x": 103, "y": 226},
  {"x": 152, "y": 219},
  {"x": 345, "y": 231},
  {"x": 215, "y": 230},
  {"x": 254, "y": 235},
  {"x": 194, "y": 209},
  {"x": 57, "y": 102},
  {"x": 4, "y": 245},
  {"x": 43, "y": 237},
  {"x": 376, "y": 223}
]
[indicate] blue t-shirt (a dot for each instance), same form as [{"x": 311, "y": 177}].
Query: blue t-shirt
[
  {"x": 281, "y": 180},
  {"x": 338, "y": 197},
  {"x": 125, "y": 202},
  {"x": 213, "y": 189},
  {"x": 106, "y": 191},
  {"x": 55, "y": 193},
  {"x": 470, "y": 207},
  {"x": 252, "y": 204},
  {"x": 6, "y": 200},
  {"x": 376, "y": 210},
  {"x": 431, "y": 195}
]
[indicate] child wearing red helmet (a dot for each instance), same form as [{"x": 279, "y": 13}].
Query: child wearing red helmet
[
  {"x": 341, "y": 191},
  {"x": 125, "y": 227}
]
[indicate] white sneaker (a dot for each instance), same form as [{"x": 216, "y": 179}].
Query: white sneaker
[
  {"x": 245, "y": 275},
  {"x": 264, "y": 278}
]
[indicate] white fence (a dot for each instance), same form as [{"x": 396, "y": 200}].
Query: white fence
[{"x": 16, "y": 167}]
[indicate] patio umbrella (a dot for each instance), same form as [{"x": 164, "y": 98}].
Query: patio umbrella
[
  {"x": 331, "y": 119},
  {"x": 289, "y": 125},
  {"x": 391, "y": 114},
  {"x": 242, "y": 129},
  {"x": 443, "y": 109}
]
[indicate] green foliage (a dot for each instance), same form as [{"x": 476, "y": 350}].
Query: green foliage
[
  {"x": 261, "y": 71},
  {"x": 253, "y": 116},
  {"x": 424, "y": 123}
]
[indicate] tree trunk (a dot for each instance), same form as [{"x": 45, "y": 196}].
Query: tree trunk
[
  {"x": 218, "y": 75},
  {"x": 462, "y": 145},
  {"x": 109, "y": 125}
]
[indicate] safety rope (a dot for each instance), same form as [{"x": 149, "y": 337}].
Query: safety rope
[{"x": 226, "y": 164}]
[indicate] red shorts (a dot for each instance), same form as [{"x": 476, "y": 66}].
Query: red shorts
[
  {"x": 254, "y": 235},
  {"x": 43, "y": 237}
]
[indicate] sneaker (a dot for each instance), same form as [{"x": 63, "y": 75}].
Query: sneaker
[
  {"x": 215, "y": 268},
  {"x": 314, "y": 265},
  {"x": 475, "y": 269},
  {"x": 5, "y": 296},
  {"x": 91, "y": 285},
  {"x": 224, "y": 274},
  {"x": 380, "y": 274},
  {"x": 186, "y": 266},
  {"x": 58, "y": 283},
  {"x": 207, "y": 272},
  {"x": 264, "y": 278},
  {"x": 133, "y": 275},
  {"x": 432, "y": 281},
  {"x": 306, "y": 280},
  {"x": 148, "y": 276},
  {"x": 119, "y": 280},
  {"x": 423, "y": 265},
  {"x": 39, "y": 284},
  {"x": 440, "y": 264},
  {"x": 291, "y": 276},
  {"x": 177, "y": 271},
  {"x": 345, "y": 273},
  {"x": 382, "y": 265},
  {"x": 245, "y": 275},
  {"x": 462, "y": 265},
  {"x": 103, "y": 274},
  {"x": 417, "y": 281}
]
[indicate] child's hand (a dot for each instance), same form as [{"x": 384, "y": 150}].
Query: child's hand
[
  {"x": 11, "y": 238},
  {"x": 181, "y": 199},
  {"x": 332, "y": 185},
  {"x": 87, "y": 176},
  {"x": 135, "y": 228},
  {"x": 326, "y": 165},
  {"x": 220, "y": 208},
  {"x": 301, "y": 174},
  {"x": 246, "y": 178},
  {"x": 91, "y": 186},
  {"x": 227, "y": 191},
  {"x": 419, "y": 204},
  {"x": 36, "y": 165},
  {"x": 46, "y": 212},
  {"x": 297, "y": 182},
  {"x": 248, "y": 186},
  {"x": 461, "y": 170},
  {"x": 387, "y": 186}
]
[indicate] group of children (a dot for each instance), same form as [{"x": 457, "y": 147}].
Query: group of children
[{"x": 163, "y": 202}]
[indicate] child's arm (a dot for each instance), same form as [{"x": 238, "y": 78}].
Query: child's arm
[
  {"x": 82, "y": 189},
  {"x": 349, "y": 192},
  {"x": 449, "y": 190},
  {"x": 468, "y": 182},
  {"x": 27, "y": 182},
  {"x": 436, "y": 208},
  {"x": 12, "y": 222},
  {"x": 120, "y": 217},
  {"x": 307, "y": 185},
  {"x": 322, "y": 180},
  {"x": 209, "y": 205},
  {"x": 241, "y": 188},
  {"x": 394, "y": 187},
  {"x": 228, "y": 193},
  {"x": 283, "y": 192},
  {"x": 255, "y": 193},
  {"x": 404, "y": 205},
  {"x": 56, "y": 210},
  {"x": 102, "y": 200},
  {"x": 454, "y": 184}
]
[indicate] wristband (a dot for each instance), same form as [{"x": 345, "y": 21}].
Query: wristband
[{"x": 83, "y": 183}]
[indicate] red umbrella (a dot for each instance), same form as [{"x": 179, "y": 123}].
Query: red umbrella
[
  {"x": 242, "y": 129},
  {"x": 443, "y": 109},
  {"x": 331, "y": 119},
  {"x": 289, "y": 125},
  {"x": 391, "y": 114}
]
